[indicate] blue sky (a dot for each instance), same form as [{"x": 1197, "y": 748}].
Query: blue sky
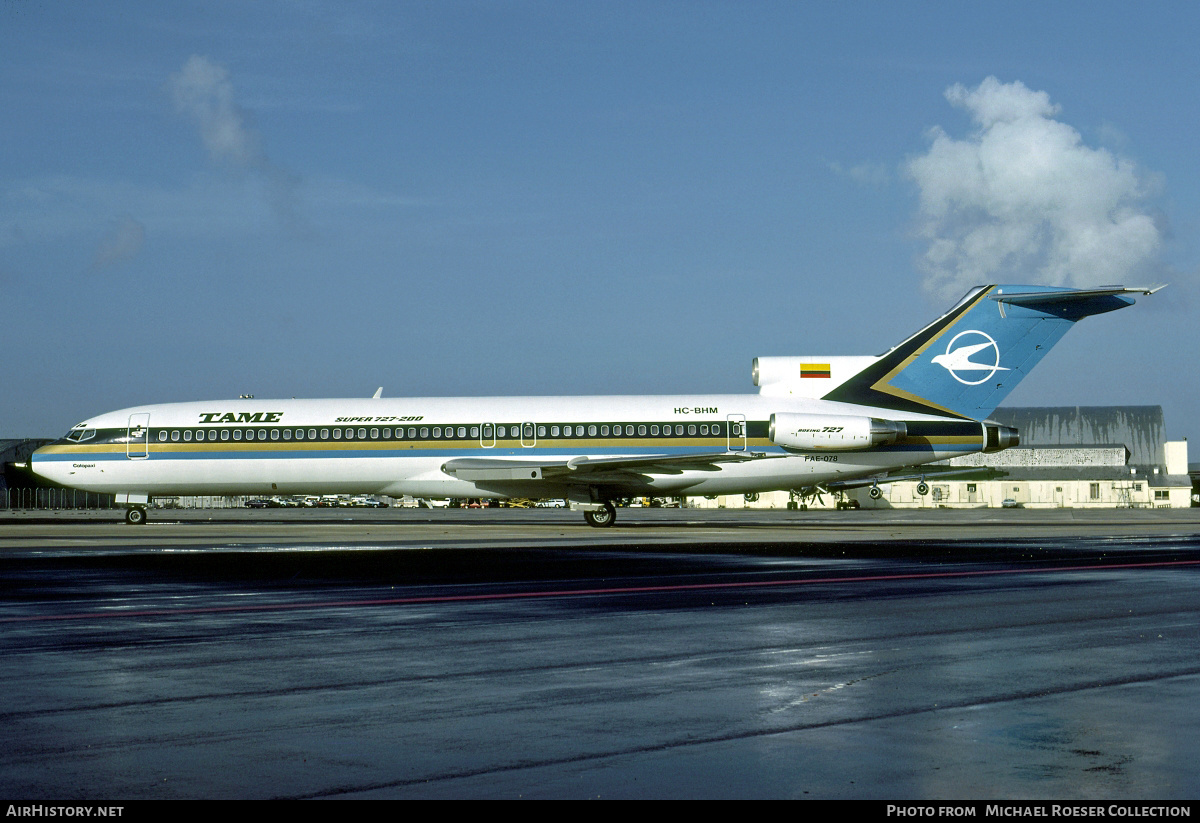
[{"x": 314, "y": 199}]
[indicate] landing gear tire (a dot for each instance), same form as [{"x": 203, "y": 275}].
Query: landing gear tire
[
  {"x": 875, "y": 493},
  {"x": 135, "y": 516},
  {"x": 922, "y": 488},
  {"x": 602, "y": 518}
]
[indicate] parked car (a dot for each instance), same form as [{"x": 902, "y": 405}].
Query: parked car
[
  {"x": 1009, "y": 503},
  {"x": 259, "y": 504}
]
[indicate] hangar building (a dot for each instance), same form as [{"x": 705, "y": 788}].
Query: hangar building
[{"x": 1070, "y": 456}]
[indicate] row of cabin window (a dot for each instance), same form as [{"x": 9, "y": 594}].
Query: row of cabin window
[{"x": 450, "y": 432}]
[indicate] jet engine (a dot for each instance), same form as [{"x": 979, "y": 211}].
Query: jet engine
[
  {"x": 1000, "y": 437},
  {"x": 833, "y": 432}
]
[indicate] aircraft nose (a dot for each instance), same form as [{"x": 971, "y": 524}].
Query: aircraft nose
[{"x": 39, "y": 464}]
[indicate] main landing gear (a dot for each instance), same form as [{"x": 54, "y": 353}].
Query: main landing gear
[
  {"x": 601, "y": 518},
  {"x": 135, "y": 515}
]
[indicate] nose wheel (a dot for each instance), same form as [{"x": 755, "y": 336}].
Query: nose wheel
[{"x": 135, "y": 516}]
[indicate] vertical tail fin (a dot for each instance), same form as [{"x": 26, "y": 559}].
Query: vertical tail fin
[{"x": 968, "y": 360}]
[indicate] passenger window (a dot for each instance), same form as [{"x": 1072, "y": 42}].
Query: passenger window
[
  {"x": 591, "y": 431},
  {"x": 175, "y": 436},
  {"x": 224, "y": 434},
  {"x": 374, "y": 434},
  {"x": 462, "y": 431},
  {"x": 249, "y": 434},
  {"x": 541, "y": 431},
  {"x": 162, "y": 436},
  {"x": 274, "y": 434},
  {"x": 413, "y": 433},
  {"x": 704, "y": 429},
  {"x": 679, "y": 430},
  {"x": 604, "y": 431},
  {"x": 324, "y": 434},
  {"x": 474, "y": 431},
  {"x": 691, "y": 430},
  {"x": 424, "y": 431},
  {"x": 212, "y": 434},
  {"x": 362, "y": 434},
  {"x": 237, "y": 434},
  {"x": 287, "y": 434},
  {"x": 387, "y": 434},
  {"x": 554, "y": 431},
  {"x": 641, "y": 431},
  {"x": 654, "y": 430},
  {"x": 337, "y": 434},
  {"x": 187, "y": 435}
]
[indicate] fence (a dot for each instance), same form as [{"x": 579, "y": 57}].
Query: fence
[
  {"x": 48, "y": 499},
  {"x": 51, "y": 499}
]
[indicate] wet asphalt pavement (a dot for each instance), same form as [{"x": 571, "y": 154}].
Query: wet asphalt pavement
[{"x": 340, "y": 660}]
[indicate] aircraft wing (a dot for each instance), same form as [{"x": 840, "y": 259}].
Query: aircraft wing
[
  {"x": 590, "y": 469},
  {"x": 926, "y": 473}
]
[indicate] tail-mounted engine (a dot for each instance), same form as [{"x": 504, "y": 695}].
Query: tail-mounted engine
[
  {"x": 999, "y": 438},
  {"x": 833, "y": 432}
]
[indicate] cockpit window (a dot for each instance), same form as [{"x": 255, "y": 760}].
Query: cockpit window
[{"x": 79, "y": 435}]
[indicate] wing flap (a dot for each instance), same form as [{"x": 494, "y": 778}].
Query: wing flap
[
  {"x": 927, "y": 473},
  {"x": 589, "y": 469}
]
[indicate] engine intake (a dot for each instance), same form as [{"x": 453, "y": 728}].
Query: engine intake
[{"x": 833, "y": 432}]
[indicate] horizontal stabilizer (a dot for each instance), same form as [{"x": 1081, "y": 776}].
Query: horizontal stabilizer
[{"x": 1041, "y": 298}]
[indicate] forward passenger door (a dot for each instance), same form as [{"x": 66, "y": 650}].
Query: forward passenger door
[{"x": 137, "y": 445}]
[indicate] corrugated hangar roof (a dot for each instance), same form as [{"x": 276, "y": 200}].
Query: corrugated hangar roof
[{"x": 1139, "y": 428}]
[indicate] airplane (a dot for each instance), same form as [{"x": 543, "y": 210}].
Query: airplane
[{"x": 816, "y": 423}]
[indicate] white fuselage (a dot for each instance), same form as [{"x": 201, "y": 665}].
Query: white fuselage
[{"x": 400, "y": 446}]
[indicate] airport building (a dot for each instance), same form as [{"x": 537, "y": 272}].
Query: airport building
[{"x": 1069, "y": 457}]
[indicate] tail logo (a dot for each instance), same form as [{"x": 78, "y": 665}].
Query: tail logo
[{"x": 957, "y": 360}]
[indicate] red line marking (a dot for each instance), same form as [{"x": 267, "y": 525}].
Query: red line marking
[{"x": 463, "y": 598}]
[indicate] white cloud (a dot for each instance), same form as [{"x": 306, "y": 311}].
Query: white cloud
[
  {"x": 874, "y": 175},
  {"x": 121, "y": 244},
  {"x": 1022, "y": 199},
  {"x": 203, "y": 91}
]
